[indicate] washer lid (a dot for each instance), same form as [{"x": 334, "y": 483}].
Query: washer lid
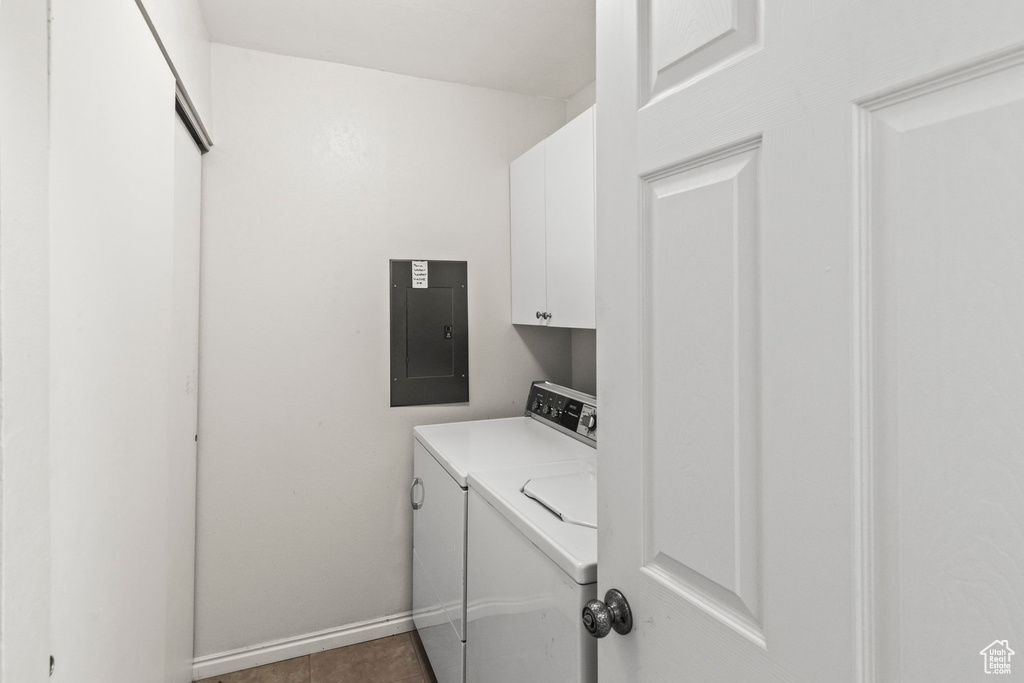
[
  {"x": 571, "y": 547},
  {"x": 572, "y": 497}
]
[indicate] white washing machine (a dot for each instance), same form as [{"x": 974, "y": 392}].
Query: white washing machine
[
  {"x": 532, "y": 570},
  {"x": 559, "y": 426}
]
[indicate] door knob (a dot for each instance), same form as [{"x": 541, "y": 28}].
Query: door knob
[{"x": 601, "y": 617}]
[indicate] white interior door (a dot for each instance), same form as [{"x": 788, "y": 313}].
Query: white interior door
[
  {"x": 112, "y": 263},
  {"x": 811, "y": 304}
]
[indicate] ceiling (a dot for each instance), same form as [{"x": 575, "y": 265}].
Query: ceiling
[{"x": 536, "y": 47}]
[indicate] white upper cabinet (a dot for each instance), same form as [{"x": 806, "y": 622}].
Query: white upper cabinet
[{"x": 552, "y": 204}]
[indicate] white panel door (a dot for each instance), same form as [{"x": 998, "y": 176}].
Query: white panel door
[
  {"x": 811, "y": 303},
  {"x": 112, "y": 251},
  {"x": 184, "y": 406}
]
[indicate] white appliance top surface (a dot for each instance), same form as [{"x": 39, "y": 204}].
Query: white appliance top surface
[
  {"x": 464, "y": 447},
  {"x": 572, "y": 547},
  {"x": 572, "y": 497}
]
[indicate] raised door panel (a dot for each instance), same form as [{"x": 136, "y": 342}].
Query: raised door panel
[
  {"x": 702, "y": 468},
  {"x": 944, "y": 306},
  {"x": 569, "y": 169},
  {"x": 686, "y": 38},
  {"x": 527, "y": 206}
]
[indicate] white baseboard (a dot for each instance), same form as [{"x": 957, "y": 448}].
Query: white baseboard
[{"x": 287, "y": 648}]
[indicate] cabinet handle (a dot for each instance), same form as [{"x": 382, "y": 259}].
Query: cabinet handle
[
  {"x": 545, "y": 315},
  {"x": 412, "y": 493}
]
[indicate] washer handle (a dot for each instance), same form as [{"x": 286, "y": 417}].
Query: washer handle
[{"x": 416, "y": 481}]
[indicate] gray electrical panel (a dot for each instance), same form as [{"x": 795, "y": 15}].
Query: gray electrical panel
[{"x": 429, "y": 335}]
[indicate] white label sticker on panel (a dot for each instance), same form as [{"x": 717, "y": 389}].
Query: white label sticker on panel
[{"x": 419, "y": 274}]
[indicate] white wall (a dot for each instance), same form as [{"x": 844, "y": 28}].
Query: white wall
[
  {"x": 584, "y": 342},
  {"x": 321, "y": 174},
  {"x": 581, "y": 101},
  {"x": 24, "y": 344},
  {"x": 584, "y": 360}
]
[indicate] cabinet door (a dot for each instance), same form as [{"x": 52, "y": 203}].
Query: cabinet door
[
  {"x": 569, "y": 171},
  {"x": 529, "y": 278}
]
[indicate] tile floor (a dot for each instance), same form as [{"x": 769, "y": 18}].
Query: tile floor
[{"x": 397, "y": 659}]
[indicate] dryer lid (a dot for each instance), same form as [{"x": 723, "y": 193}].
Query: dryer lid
[{"x": 571, "y": 497}]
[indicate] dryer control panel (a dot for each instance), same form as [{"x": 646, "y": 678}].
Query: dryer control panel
[{"x": 564, "y": 409}]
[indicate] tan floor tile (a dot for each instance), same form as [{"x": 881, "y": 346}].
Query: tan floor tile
[
  {"x": 414, "y": 679},
  {"x": 387, "y": 660},
  {"x": 289, "y": 671},
  {"x": 428, "y": 673}
]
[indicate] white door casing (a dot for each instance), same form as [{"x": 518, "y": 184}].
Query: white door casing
[
  {"x": 183, "y": 385},
  {"x": 811, "y": 302}
]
